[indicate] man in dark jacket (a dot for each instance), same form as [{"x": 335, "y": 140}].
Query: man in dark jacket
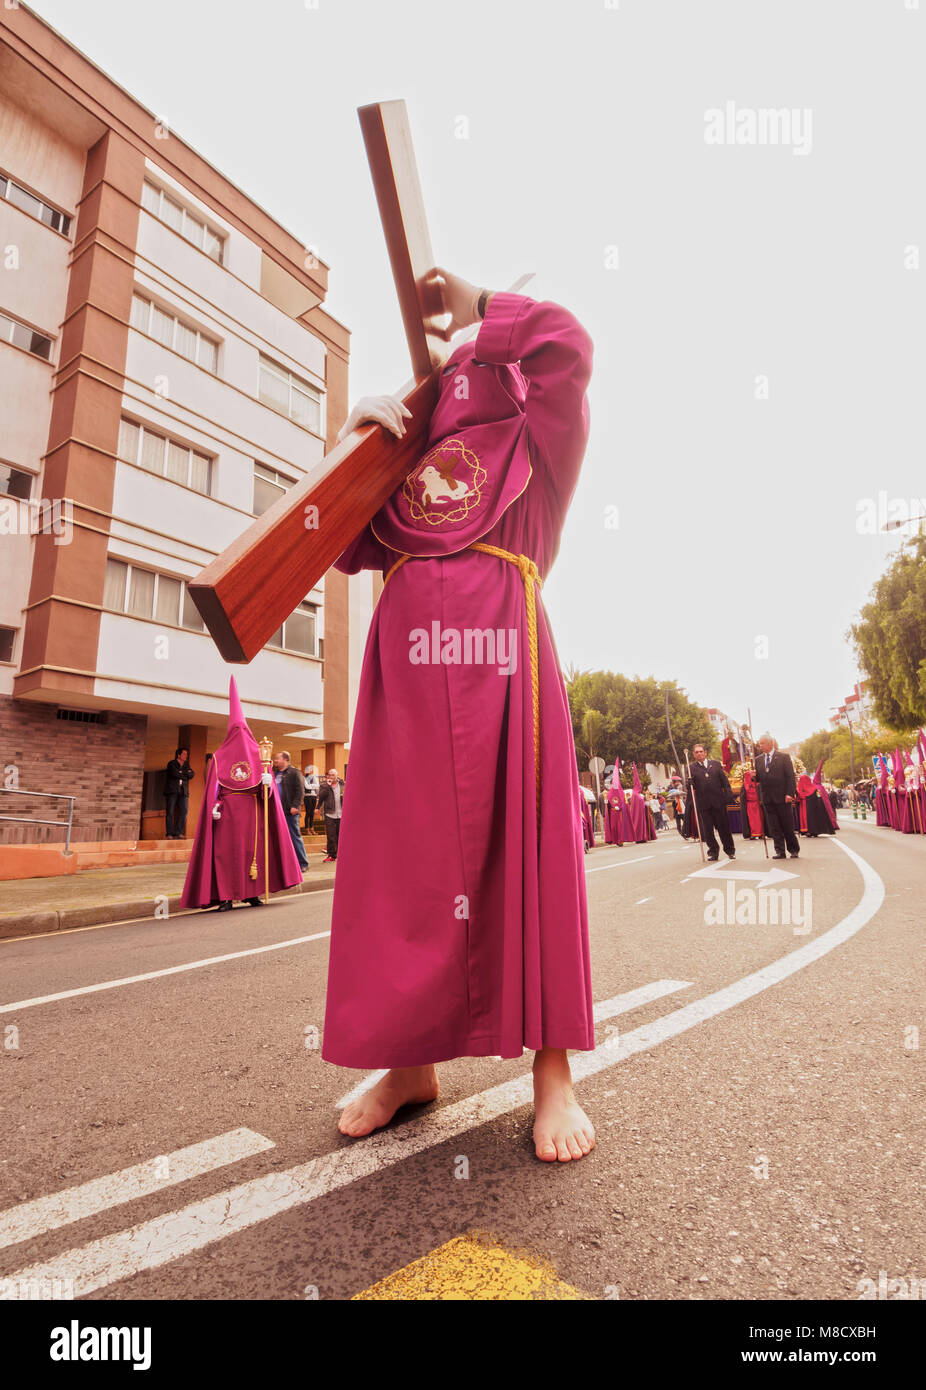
[
  {"x": 712, "y": 795},
  {"x": 177, "y": 794},
  {"x": 291, "y": 786},
  {"x": 777, "y": 791},
  {"x": 331, "y": 801}
]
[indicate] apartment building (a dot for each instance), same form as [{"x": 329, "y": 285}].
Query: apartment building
[{"x": 167, "y": 371}]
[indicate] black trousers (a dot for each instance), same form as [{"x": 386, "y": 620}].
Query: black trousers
[
  {"x": 310, "y": 802},
  {"x": 779, "y": 818},
  {"x": 332, "y": 834},
  {"x": 175, "y": 812},
  {"x": 711, "y": 818}
]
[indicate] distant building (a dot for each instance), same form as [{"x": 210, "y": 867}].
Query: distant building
[
  {"x": 168, "y": 371},
  {"x": 857, "y": 708}
]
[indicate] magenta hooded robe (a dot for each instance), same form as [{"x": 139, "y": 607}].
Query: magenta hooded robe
[
  {"x": 616, "y": 812},
  {"x": 638, "y": 823},
  {"x": 468, "y": 935},
  {"x": 225, "y": 849}
]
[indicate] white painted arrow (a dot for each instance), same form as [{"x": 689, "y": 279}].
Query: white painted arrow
[{"x": 723, "y": 870}]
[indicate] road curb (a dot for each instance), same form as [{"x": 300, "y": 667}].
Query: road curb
[{"x": 136, "y": 909}]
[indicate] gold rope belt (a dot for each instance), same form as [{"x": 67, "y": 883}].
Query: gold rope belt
[{"x": 530, "y": 576}]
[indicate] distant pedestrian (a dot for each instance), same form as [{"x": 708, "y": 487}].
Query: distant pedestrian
[
  {"x": 311, "y": 795},
  {"x": 291, "y": 786},
  {"x": 178, "y": 776},
  {"x": 331, "y": 802}
]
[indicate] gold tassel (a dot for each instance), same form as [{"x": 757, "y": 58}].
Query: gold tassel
[{"x": 252, "y": 871}]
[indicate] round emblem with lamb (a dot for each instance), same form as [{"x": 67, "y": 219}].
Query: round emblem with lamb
[{"x": 446, "y": 485}]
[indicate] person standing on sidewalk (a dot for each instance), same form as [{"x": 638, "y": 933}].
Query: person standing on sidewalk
[
  {"x": 177, "y": 794},
  {"x": 331, "y": 802},
  {"x": 310, "y": 796},
  {"x": 291, "y": 785}
]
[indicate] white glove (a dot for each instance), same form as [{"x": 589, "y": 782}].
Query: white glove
[
  {"x": 386, "y": 410},
  {"x": 267, "y": 779},
  {"x": 216, "y": 812}
]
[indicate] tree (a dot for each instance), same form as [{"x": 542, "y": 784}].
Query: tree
[
  {"x": 890, "y": 638},
  {"x": 817, "y": 746},
  {"x": 633, "y": 719},
  {"x": 833, "y": 746}
]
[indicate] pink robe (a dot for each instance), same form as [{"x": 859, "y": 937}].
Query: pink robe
[
  {"x": 223, "y": 850},
  {"x": 468, "y": 934},
  {"x": 616, "y": 815}
]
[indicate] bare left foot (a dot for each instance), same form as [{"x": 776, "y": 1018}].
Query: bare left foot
[{"x": 562, "y": 1130}]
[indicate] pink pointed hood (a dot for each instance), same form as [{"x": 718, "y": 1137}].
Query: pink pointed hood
[
  {"x": 637, "y": 784},
  {"x": 237, "y": 759}
]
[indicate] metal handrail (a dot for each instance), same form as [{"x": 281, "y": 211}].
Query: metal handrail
[{"x": 34, "y": 820}]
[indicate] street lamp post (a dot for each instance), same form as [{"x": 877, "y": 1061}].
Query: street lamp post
[{"x": 851, "y": 743}]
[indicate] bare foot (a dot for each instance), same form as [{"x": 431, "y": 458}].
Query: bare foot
[
  {"x": 376, "y": 1107},
  {"x": 562, "y": 1130}
]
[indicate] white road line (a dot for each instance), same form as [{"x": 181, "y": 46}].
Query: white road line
[
  {"x": 154, "y": 1243},
  {"x": 620, "y": 864},
  {"x": 156, "y": 974},
  {"x": 34, "y": 1218},
  {"x": 634, "y": 998},
  {"x": 212, "y": 960},
  {"x": 360, "y": 1089},
  {"x": 607, "y": 1008}
]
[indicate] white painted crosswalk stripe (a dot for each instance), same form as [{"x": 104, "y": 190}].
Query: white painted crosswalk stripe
[
  {"x": 152, "y": 1244},
  {"x": 34, "y": 1218},
  {"x": 608, "y": 1008},
  {"x": 634, "y": 998}
]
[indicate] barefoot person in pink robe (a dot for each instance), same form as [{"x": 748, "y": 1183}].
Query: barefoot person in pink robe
[
  {"x": 469, "y": 935},
  {"x": 227, "y": 861}
]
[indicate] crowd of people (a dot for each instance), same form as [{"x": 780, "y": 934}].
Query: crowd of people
[{"x": 770, "y": 801}]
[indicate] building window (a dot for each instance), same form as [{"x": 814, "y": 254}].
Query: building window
[
  {"x": 300, "y": 632},
  {"x": 269, "y": 486},
  {"x": 290, "y": 395},
  {"x": 168, "y": 210},
  {"x": 142, "y": 593},
  {"x": 177, "y": 334},
  {"x": 7, "y": 638},
  {"x": 15, "y": 483},
  {"x": 21, "y": 335},
  {"x": 169, "y": 458},
  {"x": 27, "y": 202}
]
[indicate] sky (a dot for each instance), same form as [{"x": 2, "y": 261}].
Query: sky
[{"x": 751, "y": 284}]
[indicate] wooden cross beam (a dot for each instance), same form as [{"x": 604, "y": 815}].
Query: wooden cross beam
[{"x": 245, "y": 593}]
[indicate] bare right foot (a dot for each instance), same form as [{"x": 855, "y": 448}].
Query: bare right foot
[{"x": 376, "y": 1107}]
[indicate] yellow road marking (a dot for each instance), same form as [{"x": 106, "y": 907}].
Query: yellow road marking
[{"x": 470, "y": 1267}]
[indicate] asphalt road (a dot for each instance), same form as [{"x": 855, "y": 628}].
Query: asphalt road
[{"x": 757, "y": 1089}]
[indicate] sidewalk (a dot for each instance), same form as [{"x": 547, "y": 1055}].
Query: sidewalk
[{"x": 32, "y": 905}]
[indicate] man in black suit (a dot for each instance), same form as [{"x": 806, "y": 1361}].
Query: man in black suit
[
  {"x": 777, "y": 792},
  {"x": 712, "y": 795},
  {"x": 177, "y": 794}
]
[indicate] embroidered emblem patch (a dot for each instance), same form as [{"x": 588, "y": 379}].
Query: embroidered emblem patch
[
  {"x": 240, "y": 772},
  {"x": 446, "y": 485}
]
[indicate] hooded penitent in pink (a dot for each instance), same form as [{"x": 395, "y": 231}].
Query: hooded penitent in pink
[
  {"x": 616, "y": 811},
  {"x": 638, "y": 823},
  {"x": 467, "y": 933},
  {"x": 227, "y": 862}
]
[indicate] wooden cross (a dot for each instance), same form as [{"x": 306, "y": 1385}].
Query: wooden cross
[{"x": 247, "y": 592}]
